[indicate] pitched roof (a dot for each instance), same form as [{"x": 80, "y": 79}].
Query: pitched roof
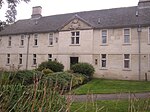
[{"x": 109, "y": 18}]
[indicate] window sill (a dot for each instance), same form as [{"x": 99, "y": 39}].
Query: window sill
[
  {"x": 103, "y": 68},
  {"x": 126, "y": 44},
  {"x": 74, "y": 45},
  {"x": 104, "y": 45},
  {"x": 50, "y": 46},
  {"x": 9, "y": 47},
  {"x": 7, "y": 64},
  {"x": 35, "y": 46},
  {"x": 125, "y": 69}
]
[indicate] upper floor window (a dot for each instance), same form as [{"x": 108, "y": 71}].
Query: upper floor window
[
  {"x": 75, "y": 36},
  {"x": 127, "y": 61},
  {"x": 127, "y": 36},
  {"x": 20, "y": 59},
  {"x": 49, "y": 57},
  {"x": 22, "y": 40},
  {"x": 149, "y": 35},
  {"x": 103, "y": 61},
  {"x": 104, "y": 36},
  {"x": 9, "y": 40},
  {"x": 34, "y": 59},
  {"x": 35, "y": 39},
  {"x": 8, "y": 59},
  {"x": 50, "y": 39}
]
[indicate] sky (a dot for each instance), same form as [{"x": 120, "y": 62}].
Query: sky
[{"x": 53, "y": 7}]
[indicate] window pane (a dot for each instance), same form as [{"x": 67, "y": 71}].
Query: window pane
[
  {"x": 104, "y": 56},
  {"x": 104, "y": 32},
  {"x": 126, "y": 64},
  {"x": 126, "y": 31},
  {"x": 126, "y": 56},
  {"x": 77, "y": 34},
  {"x": 103, "y": 63},
  {"x": 126, "y": 35},
  {"x": 126, "y": 39},
  {"x": 104, "y": 36},
  {"x": 72, "y": 40},
  {"x": 77, "y": 40},
  {"x": 73, "y": 33}
]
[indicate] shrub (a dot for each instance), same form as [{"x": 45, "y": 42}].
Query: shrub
[
  {"x": 52, "y": 65},
  {"x": 83, "y": 68},
  {"x": 25, "y": 77},
  {"x": 47, "y": 71}
]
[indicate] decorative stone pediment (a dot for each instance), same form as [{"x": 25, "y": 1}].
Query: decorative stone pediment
[{"x": 76, "y": 24}]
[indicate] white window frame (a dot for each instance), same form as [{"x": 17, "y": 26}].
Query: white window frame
[
  {"x": 20, "y": 59},
  {"x": 127, "y": 43},
  {"x": 35, "y": 39},
  {"x": 106, "y": 36},
  {"x": 22, "y": 40},
  {"x": 74, "y": 38},
  {"x": 34, "y": 59},
  {"x": 149, "y": 35},
  {"x": 8, "y": 59},
  {"x": 50, "y": 57},
  {"x": 101, "y": 59},
  {"x": 127, "y": 60},
  {"x": 9, "y": 41},
  {"x": 50, "y": 39}
]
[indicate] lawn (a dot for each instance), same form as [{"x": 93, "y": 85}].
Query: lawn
[
  {"x": 134, "y": 105},
  {"x": 102, "y": 86}
]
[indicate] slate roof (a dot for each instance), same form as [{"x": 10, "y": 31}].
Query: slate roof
[{"x": 109, "y": 18}]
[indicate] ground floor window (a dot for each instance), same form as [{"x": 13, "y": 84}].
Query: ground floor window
[
  {"x": 20, "y": 59},
  {"x": 8, "y": 59},
  {"x": 127, "y": 61},
  {"x": 34, "y": 59},
  {"x": 73, "y": 60},
  {"x": 103, "y": 63},
  {"x": 49, "y": 57}
]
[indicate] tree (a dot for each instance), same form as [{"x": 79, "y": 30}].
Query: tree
[{"x": 11, "y": 11}]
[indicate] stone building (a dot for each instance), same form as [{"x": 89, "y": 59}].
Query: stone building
[{"x": 115, "y": 41}]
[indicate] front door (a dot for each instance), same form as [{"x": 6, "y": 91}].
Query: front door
[{"x": 73, "y": 60}]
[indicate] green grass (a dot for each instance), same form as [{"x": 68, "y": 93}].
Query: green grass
[
  {"x": 102, "y": 86},
  {"x": 112, "y": 106}
]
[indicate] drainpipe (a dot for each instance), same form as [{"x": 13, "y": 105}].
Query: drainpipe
[
  {"x": 139, "y": 49},
  {"x": 27, "y": 52}
]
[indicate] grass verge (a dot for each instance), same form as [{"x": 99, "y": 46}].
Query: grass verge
[
  {"x": 134, "y": 105},
  {"x": 103, "y": 86}
]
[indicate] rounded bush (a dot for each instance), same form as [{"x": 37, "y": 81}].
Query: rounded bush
[
  {"x": 83, "y": 68},
  {"x": 52, "y": 65},
  {"x": 47, "y": 71}
]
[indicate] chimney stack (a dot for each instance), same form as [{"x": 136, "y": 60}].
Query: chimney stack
[
  {"x": 144, "y": 4},
  {"x": 36, "y": 12}
]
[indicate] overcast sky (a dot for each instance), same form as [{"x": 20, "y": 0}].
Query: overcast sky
[{"x": 52, "y": 7}]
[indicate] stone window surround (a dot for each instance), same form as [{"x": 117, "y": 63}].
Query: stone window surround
[
  {"x": 103, "y": 68},
  {"x": 75, "y": 37},
  {"x": 129, "y": 36},
  {"x": 50, "y": 57},
  {"x": 104, "y": 35},
  {"x": 20, "y": 59},
  {"x": 50, "y": 39},
  {"x": 127, "y": 69}
]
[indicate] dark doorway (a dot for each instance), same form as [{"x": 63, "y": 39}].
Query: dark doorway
[{"x": 73, "y": 60}]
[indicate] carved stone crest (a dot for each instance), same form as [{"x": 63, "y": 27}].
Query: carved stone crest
[{"x": 75, "y": 24}]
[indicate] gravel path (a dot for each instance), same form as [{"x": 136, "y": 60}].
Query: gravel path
[{"x": 83, "y": 98}]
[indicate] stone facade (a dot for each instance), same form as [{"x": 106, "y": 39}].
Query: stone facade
[{"x": 115, "y": 52}]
